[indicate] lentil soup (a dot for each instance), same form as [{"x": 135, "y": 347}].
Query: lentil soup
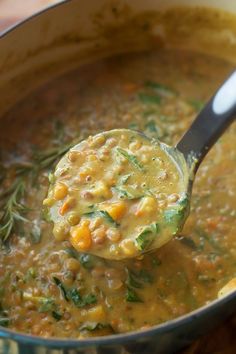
[
  {"x": 47, "y": 288},
  {"x": 118, "y": 194}
]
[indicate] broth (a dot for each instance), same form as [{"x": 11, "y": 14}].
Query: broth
[{"x": 47, "y": 288}]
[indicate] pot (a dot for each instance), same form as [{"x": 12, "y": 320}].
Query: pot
[{"x": 73, "y": 33}]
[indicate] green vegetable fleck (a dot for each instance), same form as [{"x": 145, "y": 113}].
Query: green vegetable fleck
[
  {"x": 149, "y": 98},
  {"x": 131, "y": 158},
  {"x": 103, "y": 214},
  {"x": 132, "y": 296},
  {"x": 147, "y": 236}
]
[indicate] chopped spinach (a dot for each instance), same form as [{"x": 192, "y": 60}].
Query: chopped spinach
[
  {"x": 196, "y": 104},
  {"x": 81, "y": 301},
  {"x": 161, "y": 89},
  {"x": 137, "y": 279},
  {"x": 46, "y": 304},
  {"x": 74, "y": 295},
  {"x": 57, "y": 315},
  {"x": 131, "y": 158},
  {"x": 61, "y": 287},
  {"x": 88, "y": 261},
  {"x": 147, "y": 98},
  {"x": 126, "y": 193},
  {"x": 133, "y": 126},
  {"x": 4, "y": 319},
  {"x": 103, "y": 214},
  {"x": 125, "y": 178},
  {"x": 176, "y": 215},
  {"x": 132, "y": 280},
  {"x": 145, "y": 276},
  {"x": 151, "y": 126},
  {"x": 132, "y": 296},
  {"x": 147, "y": 236}
]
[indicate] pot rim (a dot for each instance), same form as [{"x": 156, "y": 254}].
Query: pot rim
[
  {"x": 114, "y": 338},
  {"x": 120, "y": 338}
]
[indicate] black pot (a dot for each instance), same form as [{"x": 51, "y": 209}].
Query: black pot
[{"x": 51, "y": 42}]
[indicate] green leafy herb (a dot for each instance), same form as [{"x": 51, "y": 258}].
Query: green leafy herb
[
  {"x": 126, "y": 194},
  {"x": 145, "y": 276},
  {"x": 137, "y": 279},
  {"x": 147, "y": 236},
  {"x": 196, "y": 104},
  {"x": 88, "y": 261},
  {"x": 103, "y": 214},
  {"x": 149, "y": 98},
  {"x": 57, "y": 315},
  {"x": 74, "y": 295},
  {"x": 47, "y": 304},
  {"x": 30, "y": 274},
  {"x": 161, "y": 89},
  {"x": 151, "y": 126},
  {"x": 13, "y": 208},
  {"x": 12, "y": 198},
  {"x": 72, "y": 252},
  {"x": 125, "y": 178},
  {"x": 133, "y": 281},
  {"x": 4, "y": 319},
  {"x": 80, "y": 301},
  {"x": 133, "y": 126},
  {"x": 61, "y": 287},
  {"x": 131, "y": 158},
  {"x": 176, "y": 215},
  {"x": 132, "y": 296}
]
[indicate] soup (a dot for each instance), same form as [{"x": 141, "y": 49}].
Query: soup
[
  {"x": 47, "y": 288},
  {"x": 118, "y": 195}
]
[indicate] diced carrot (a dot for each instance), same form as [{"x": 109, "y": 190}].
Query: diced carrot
[
  {"x": 81, "y": 238},
  {"x": 66, "y": 206},
  {"x": 116, "y": 210}
]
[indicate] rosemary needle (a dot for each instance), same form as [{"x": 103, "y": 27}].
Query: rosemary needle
[{"x": 12, "y": 207}]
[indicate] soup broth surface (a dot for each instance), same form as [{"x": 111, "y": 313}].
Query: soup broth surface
[{"x": 47, "y": 288}]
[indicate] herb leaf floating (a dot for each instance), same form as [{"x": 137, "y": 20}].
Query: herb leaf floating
[
  {"x": 176, "y": 216},
  {"x": 12, "y": 206},
  {"x": 131, "y": 158},
  {"x": 126, "y": 193},
  {"x": 61, "y": 287},
  {"x": 161, "y": 89},
  {"x": 132, "y": 296},
  {"x": 74, "y": 295},
  {"x": 103, "y": 214},
  {"x": 147, "y": 236},
  {"x": 4, "y": 319},
  {"x": 149, "y": 98}
]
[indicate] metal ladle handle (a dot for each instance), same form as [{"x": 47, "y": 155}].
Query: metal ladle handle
[{"x": 210, "y": 124}]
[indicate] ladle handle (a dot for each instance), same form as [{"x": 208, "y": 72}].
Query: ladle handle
[{"x": 210, "y": 123}]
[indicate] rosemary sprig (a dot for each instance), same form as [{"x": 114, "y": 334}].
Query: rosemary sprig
[{"x": 12, "y": 207}]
